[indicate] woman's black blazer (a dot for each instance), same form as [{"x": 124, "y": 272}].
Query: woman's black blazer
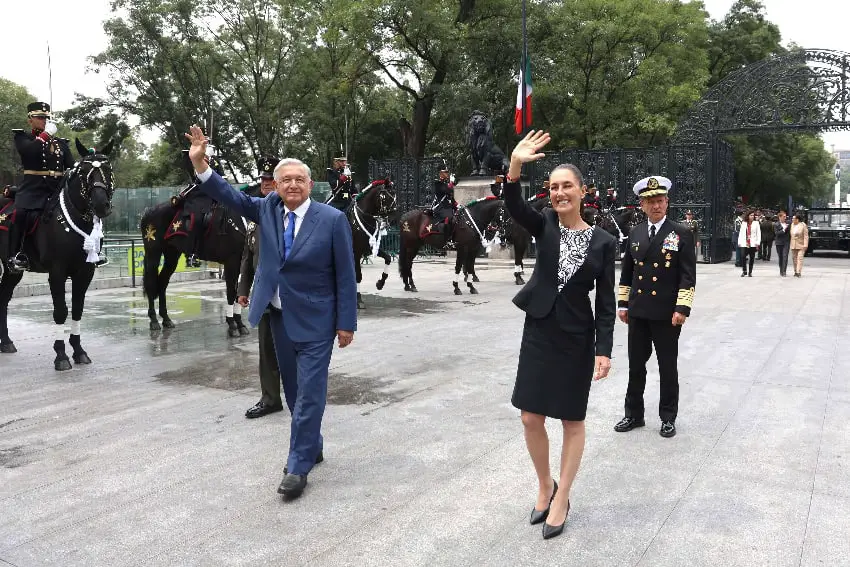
[{"x": 573, "y": 308}]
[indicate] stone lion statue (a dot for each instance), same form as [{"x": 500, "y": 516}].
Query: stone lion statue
[{"x": 486, "y": 155}]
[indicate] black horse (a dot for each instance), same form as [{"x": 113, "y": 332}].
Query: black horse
[
  {"x": 618, "y": 222},
  {"x": 63, "y": 243},
  {"x": 515, "y": 235},
  {"x": 369, "y": 215},
  {"x": 471, "y": 224},
  {"x": 165, "y": 236}
]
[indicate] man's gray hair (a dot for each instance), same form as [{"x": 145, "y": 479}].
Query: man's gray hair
[{"x": 291, "y": 161}]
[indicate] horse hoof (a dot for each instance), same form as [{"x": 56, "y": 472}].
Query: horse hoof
[
  {"x": 519, "y": 280},
  {"x": 82, "y": 358},
  {"x": 458, "y": 291},
  {"x": 168, "y": 323},
  {"x": 243, "y": 331},
  {"x": 406, "y": 287},
  {"x": 8, "y": 348},
  {"x": 380, "y": 283},
  {"x": 475, "y": 279},
  {"x": 413, "y": 289},
  {"x": 232, "y": 333},
  {"x": 360, "y": 305},
  {"x": 62, "y": 364},
  {"x": 473, "y": 291},
  {"x": 155, "y": 326}
]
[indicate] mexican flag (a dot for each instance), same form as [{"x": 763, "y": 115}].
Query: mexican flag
[{"x": 520, "y": 103}]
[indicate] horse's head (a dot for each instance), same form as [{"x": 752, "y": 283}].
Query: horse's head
[
  {"x": 379, "y": 199},
  {"x": 89, "y": 182}
]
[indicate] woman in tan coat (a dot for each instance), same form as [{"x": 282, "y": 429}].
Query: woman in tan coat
[{"x": 799, "y": 243}]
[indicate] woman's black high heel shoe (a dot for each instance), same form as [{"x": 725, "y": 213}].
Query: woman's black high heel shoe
[
  {"x": 552, "y": 531},
  {"x": 538, "y": 516}
]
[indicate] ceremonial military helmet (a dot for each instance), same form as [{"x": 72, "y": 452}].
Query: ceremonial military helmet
[
  {"x": 652, "y": 186},
  {"x": 265, "y": 167},
  {"x": 38, "y": 110}
]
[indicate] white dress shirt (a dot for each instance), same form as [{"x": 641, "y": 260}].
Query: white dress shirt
[{"x": 300, "y": 211}]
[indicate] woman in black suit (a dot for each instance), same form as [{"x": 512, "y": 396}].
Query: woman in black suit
[{"x": 564, "y": 345}]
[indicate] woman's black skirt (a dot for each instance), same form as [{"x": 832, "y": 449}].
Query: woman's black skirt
[{"x": 555, "y": 370}]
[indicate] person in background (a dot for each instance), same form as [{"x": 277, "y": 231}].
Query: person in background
[
  {"x": 781, "y": 229},
  {"x": 749, "y": 239},
  {"x": 799, "y": 244}
]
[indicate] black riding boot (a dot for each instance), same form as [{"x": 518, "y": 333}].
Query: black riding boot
[
  {"x": 18, "y": 261},
  {"x": 447, "y": 232}
]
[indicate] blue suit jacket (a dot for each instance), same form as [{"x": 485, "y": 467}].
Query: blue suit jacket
[{"x": 318, "y": 288}]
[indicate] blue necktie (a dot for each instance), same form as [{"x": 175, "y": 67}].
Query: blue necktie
[{"x": 289, "y": 234}]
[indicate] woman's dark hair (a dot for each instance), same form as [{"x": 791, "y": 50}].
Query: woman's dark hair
[
  {"x": 576, "y": 171},
  {"x": 798, "y": 217}
]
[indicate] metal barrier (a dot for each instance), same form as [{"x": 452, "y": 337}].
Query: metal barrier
[{"x": 126, "y": 260}]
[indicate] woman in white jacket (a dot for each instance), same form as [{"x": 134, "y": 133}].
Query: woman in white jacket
[{"x": 749, "y": 239}]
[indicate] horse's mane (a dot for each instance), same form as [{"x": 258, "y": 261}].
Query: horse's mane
[
  {"x": 376, "y": 183},
  {"x": 475, "y": 202}
]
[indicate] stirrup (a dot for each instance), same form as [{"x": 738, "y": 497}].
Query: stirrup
[
  {"x": 102, "y": 261},
  {"x": 192, "y": 261},
  {"x": 19, "y": 263}
]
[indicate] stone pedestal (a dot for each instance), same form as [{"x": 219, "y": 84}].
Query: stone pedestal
[{"x": 470, "y": 188}]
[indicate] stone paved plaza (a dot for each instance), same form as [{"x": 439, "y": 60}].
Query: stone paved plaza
[{"x": 145, "y": 457}]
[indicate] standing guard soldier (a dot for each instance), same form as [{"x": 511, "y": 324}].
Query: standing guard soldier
[
  {"x": 655, "y": 297},
  {"x": 270, "y": 401},
  {"x": 339, "y": 178},
  {"x": 44, "y": 158},
  {"x": 693, "y": 225}
]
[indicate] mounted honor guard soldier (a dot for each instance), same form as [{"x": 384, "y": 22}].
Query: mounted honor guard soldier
[
  {"x": 656, "y": 293},
  {"x": 197, "y": 207},
  {"x": 342, "y": 188},
  {"x": 444, "y": 206},
  {"x": 44, "y": 158},
  {"x": 611, "y": 199}
]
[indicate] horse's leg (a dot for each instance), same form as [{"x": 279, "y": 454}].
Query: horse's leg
[
  {"x": 406, "y": 267},
  {"x": 172, "y": 256},
  {"x": 233, "y": 282},
  {"x": 7, "y": 286},
  {"x": 388, "y": 259},
  {"x": 60, "y": 315},
  {"x": 458, "y": 267},
  {"x": 235, "y": 326},
  {"x": 358, "y": 273},
  {"x": 469, "y": 262},
  {"x": 520, "y": 246},
  {"x": 151, "y": 283},
  {"x": 80, "y": 282}
]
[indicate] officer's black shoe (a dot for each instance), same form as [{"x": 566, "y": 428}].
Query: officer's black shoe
[
  {"x": 628, "y": 423},
  {"x": 668, "y": 429}
]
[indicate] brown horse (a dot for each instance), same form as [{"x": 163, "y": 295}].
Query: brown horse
[
  {"x": 472, "y": 224},
  {"x": 514, "y": 234}
]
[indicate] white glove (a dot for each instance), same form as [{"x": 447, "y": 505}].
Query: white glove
[
  {"x": 50, "y": 128},
  {"x": 452, "y": 177},
  {"x": 347, "y": 171}
]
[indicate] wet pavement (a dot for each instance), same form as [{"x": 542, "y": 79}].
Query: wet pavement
[{"x": 144, "y": 457}]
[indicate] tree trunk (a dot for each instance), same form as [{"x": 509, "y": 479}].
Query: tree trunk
[{"x": 418, "y": 134}]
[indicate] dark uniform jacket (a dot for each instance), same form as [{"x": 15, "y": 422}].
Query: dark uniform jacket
[
  {"x": 444, "y": 198},
  {"x": 658, "y": 277},
  {"x": 250, "y": 257},
  {"x": 53, "y": 157}
]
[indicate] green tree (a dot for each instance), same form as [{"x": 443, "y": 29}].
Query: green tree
[
  {"x": 620, "y": 73},
  {"x": 13, "y": 114},
  {"x": 742, "y": 37}
]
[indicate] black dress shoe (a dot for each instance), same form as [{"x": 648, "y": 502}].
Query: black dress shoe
[
  {"x": 538, "y": 516},
  {"x": 550, "y": 531},
  {"x": 292, "y": 485},
  {"x": 261, "y": 408},
  {"x": 668, "y": 429},
  {"x": 629, "y": 423},
  {"x": 319, "y": 458}
]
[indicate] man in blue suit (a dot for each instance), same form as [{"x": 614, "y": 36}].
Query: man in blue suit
[{"x": 305, "y": 277}]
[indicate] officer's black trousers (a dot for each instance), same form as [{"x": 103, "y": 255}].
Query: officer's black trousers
[
  {"x": 24, "y": 221},
  {"x": 269, "y": 373},
  {"x": 643, "y": 334}
]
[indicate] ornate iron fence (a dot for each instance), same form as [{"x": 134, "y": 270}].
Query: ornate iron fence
[{"x": 702, "y": 176}]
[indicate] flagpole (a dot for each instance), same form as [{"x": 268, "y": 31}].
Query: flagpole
[
  {"x": 50, "y": 77},
  {"x": 524, "y": 69}
]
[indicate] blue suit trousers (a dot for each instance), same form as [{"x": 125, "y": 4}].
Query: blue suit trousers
[{"x": 304, "y": 375}]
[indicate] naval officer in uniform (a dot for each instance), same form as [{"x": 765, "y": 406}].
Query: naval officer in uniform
[{"x": 655, "y": 297}]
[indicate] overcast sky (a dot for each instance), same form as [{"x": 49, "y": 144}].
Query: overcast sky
[{"x": 76, "y": 32}]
